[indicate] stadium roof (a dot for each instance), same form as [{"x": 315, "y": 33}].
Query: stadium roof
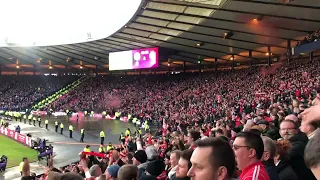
[{"x": 191, "y": 31}]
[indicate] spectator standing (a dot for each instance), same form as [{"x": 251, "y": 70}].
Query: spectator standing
[
  {"x": 174, "y": 159},
  {"x": 184, "y": 165},
  {"x": 140, "y": 160},
  {"x": 289, "y": 130},
  {"x": 193, "y": 136},
  {"x": 267, "y": 157},
  {"x": 213, "y": 159},
  {"x": 312, "y": 155},
  {"x": 281, "y": 161},
  {"x": 248, "y": 148},
  {"x": 309, "y": 128},
  {"x": 112, "y": 172},
  {"x": 128, "y": 172}
]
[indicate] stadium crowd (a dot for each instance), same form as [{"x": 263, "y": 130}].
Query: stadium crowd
[
  {"x": 18, "y": 93},
  {"x": 256, "y": 123},
  {"x": 189, "y": 99}
]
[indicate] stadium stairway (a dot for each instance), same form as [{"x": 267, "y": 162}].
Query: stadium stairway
[{"x": 49, "y": 100}]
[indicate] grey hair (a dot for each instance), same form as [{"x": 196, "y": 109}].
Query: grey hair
[{"x": 269, "y": 145}]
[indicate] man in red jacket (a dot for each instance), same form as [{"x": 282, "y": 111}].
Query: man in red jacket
[{"x": 248, "y": 148}]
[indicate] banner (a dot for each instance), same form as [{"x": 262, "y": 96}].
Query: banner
[
  {"x": 41, "y": 113},
  {"x": 23, "y": 139}
]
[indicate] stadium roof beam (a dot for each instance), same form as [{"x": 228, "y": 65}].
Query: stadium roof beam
[
  {"x": 218, "y": 28},
  {"x": 125, "y": 38},
  {"x": 280, "y": 4},
  {"x": 183, "y": 3},
  {"x": 84, "y": 53},
  {"x": 99, "y": 46},
  {"x": 73, "y": 55},
  {"x": 204, "y": 34},
  {"x": 122, "y": 44},
  {"x": 189, "y": 46},
  {"x": 40, "y": 53},
  {"x": 70, "y": 56},
  {"x": 34, "y": 58},
  {"x": 81, "y": 56},
  {"x": 85, "y": 50},
  {"x": 206, "y": 42},
  {"x": 219, "y": 19},
  {"x": 101, "y": 43},
  {"x": 17, "y": 55}
]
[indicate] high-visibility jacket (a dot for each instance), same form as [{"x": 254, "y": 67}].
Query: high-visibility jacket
[
  {"x": 139, "y": 131},
  {"x": 82, "y": 131},
  {"x": 85, "y": 112},
  {"x": 101, "y": 134},
  {"x": 61, "y": 126},
  {"x": 30, "y": 117},
  {"x": 56, "y": 123},
  {"x": 2, "y": 121},
  {"x": 70, "y": 128},
  {"x": 146, "y": 127},
  {"x": 39, "y": 119},
  {"x": 122, "y": 136},
  {"x": 24, "y": 117},
  {"x": 134, "y": 120},
  {"x": 34, "y": 118},
  {"x": 102, "y": 149},
  {"x": 46, "y": 121},
  {"x": 109, "y": 147},
  {"x": 86, "y": 150},
  {"x": 129, "y": 116},
  {"x": 21, "y": 166},
  {"x": 127, "y": 133}
]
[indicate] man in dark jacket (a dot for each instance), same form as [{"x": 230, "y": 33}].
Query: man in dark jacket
[
  {"x": 289, "y": 130},
  {"x": 267, "y": 131},
  {"x": 267, "y": 157},
  {"x": 140, "y": 160}
]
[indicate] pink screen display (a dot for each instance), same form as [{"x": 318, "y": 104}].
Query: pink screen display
[{"x": 145, "y": 58}]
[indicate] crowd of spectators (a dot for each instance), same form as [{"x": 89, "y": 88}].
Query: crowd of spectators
[
  {"x": 249, "y": 156},
  {"x": 315, "y": 36},
  {"x": 256, "y": 123},
  {"x": 189, "y": 99},
  {"x": 18, "y": 93}
]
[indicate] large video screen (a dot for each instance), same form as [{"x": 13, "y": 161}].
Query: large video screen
[{"x": 134, "y": 59}]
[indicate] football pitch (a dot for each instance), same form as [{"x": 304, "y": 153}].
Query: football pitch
[{"x": 15, "y": 151}]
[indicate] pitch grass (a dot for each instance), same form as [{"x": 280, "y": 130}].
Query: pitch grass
[{"x": 15, "y": 151}]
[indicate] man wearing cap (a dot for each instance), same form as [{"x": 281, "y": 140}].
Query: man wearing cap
[
  {"x": 140, "y": 160},
  {"x": 267, "y": 131},
  {"x": 112, "y": 172}
]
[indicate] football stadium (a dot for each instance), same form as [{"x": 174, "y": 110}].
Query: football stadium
[{"x": 160, "y": 89}]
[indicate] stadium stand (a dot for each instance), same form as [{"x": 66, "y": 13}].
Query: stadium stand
[
  {"x": 235, "y": 95},
  {"x": 258, "y": 99},
  {"x": 21, "y": 92}
]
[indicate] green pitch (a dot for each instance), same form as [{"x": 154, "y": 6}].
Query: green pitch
[{"x": 15, "y": 151}]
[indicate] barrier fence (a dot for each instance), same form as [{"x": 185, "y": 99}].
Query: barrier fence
[{"x": 16, "y": 136}]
